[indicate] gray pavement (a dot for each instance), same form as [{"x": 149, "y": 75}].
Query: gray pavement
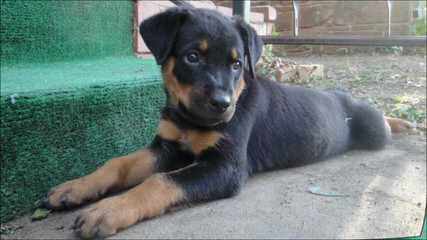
[{"x": 386, "y": 197}]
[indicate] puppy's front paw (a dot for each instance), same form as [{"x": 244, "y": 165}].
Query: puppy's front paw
[
  {"x": 106, "y": 218},
  {"x": 69, "y": 194}
]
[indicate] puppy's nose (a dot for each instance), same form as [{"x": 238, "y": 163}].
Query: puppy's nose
[{"x": 220, "y": 102}]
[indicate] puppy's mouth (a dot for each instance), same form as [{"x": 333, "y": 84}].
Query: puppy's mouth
[{"x": 204, "y": 121}]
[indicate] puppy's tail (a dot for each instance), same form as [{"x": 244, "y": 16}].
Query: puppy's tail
[{"x": 397, "y": 125}]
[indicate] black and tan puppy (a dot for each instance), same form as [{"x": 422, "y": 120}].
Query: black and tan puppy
[{"x": 220, "y": 125}]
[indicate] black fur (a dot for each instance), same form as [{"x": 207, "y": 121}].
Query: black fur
[
  {"x": 273, "y": 125},
  {"x": 253, "y": 44},
  {"x": 168, "y": 25}
]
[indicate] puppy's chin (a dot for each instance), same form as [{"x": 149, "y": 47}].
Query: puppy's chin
[{"x": 204, "y": 120}]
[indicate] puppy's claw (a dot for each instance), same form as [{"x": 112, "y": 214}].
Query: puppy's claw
[
  {"x": 45, "y": 203},
  {"x": 64, "y": 202},
  {"x": 78, "y": 222},
  {"x": 93, "y": 228}
]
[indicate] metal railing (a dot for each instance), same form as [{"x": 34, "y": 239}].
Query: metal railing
[{"x": 296, "y": 39}]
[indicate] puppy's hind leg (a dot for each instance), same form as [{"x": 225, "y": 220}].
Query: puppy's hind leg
[{"x": 397, "y": 125}]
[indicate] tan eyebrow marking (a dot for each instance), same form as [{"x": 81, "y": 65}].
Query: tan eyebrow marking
[
  {"x": 234, "y": 54},
  {"x": 203, "y": 45}
]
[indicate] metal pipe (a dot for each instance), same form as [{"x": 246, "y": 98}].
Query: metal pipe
[
  {"x": 295, "y": 7},
  {"x": 389, "y": 12},
  {"x": 242, "y": 8},
  {"x": 350, "y": 41}
]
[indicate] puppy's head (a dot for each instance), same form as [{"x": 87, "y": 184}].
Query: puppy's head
[{"x": 203, "y": 55}]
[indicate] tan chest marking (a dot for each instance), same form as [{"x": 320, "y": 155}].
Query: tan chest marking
[{"x": 195, "y": 140}]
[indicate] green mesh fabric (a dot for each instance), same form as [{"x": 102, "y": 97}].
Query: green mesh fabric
[
  {"x": 54, "y": 129},
  {"x": 44, "y": 31},
  {"x": 39, "y": 78},
  {"x": 72, "y": 94}
]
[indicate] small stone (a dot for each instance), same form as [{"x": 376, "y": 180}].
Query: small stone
[{"x": 59, "y": 228}]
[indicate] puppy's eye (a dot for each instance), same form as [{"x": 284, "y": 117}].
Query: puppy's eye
[
  {"x": 193, "y": 57},
  {"x": 237, "y": 65}
]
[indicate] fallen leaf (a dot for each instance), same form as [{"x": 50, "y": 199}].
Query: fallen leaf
[{"x": 40, "y": 214}]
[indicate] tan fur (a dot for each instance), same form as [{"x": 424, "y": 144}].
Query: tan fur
[
  {"x": 239, "y": 89},
  {"x": 177, "y": 91},
  {"x": 116, "y": 174},
  {"x": 146, "y": 200},
  {"x": 234, "y": 54},
  {"x": 200, "y": 141},
  {"x": 134, "y": 168},
  {"x": 204, "y": 45},
  {"x": 168, "y": 130},
  {"x": 195, "y": 140},
  {"x": 397, "y": 125},
  {"x": 157, "y": 193}
]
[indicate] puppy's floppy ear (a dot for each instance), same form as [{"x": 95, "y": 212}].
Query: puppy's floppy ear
[
  {"x": 159, "y": 32},
  {"x": 253, "y": 43}
]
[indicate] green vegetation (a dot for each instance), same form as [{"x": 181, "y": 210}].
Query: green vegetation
[
  {"x": 406, "y": 107},
  {"x": 421, "y": 27}
]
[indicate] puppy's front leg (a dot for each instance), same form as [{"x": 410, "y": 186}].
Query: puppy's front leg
[
  {"x": 116, "y": 174},
  {"x": 198, "y": 182}
]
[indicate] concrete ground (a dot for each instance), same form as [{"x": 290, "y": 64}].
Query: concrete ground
[{"x": 384, "y": 196}]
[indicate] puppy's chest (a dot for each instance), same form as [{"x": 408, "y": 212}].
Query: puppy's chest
[
  {"x": 192, "y": 140},
  {"x": 185, "y": 141}
]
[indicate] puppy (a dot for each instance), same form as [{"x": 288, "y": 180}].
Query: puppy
[{"x": 220, "y": 125}]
